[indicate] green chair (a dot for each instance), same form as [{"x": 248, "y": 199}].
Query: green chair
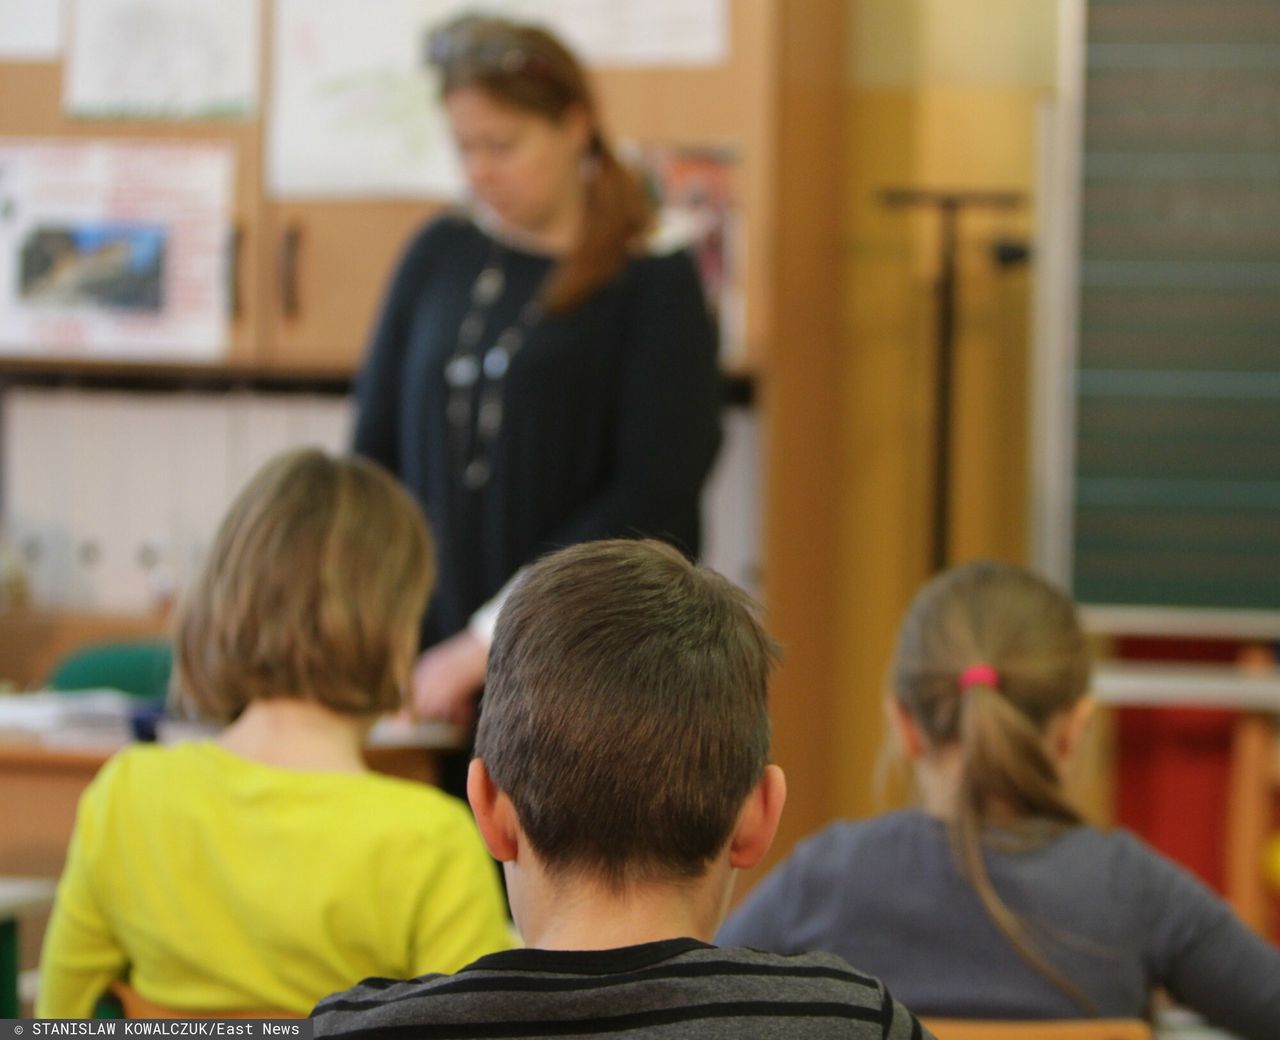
[{"x": 138, "y": 667}]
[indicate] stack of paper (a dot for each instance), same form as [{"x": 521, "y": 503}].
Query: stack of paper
[{"x": 96, "y": 718}]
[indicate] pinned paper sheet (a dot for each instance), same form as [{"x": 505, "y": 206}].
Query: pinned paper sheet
[
  {"x": 352, "y": 108},
  {"x": 700, "y": 210},
  {"x": 633, "y": 33},
  {"x": 354, "y": 111},
  {"x": 31, "y": 30},
  {"x": 114, "y": 250},
  {"x": 168, "y": 59}
]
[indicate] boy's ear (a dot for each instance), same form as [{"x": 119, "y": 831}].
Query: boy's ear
[
  {"x": 494, "y": 813},
  {"x": 758, "y": 819},
  {"x": 910, "y": 739}
]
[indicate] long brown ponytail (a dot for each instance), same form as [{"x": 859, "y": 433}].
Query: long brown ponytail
[
  {"x": 526, "y": 67},
  {"x": 1018, "y": 643}
]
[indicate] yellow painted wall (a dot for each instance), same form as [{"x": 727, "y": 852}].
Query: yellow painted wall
[{"x": 942, "y": 94}]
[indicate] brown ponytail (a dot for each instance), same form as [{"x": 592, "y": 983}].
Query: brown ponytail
[
  {"x": 1027, "y": 634},
  {"x": 527, "y": 67},
  {"x": 617, "y": 215}
]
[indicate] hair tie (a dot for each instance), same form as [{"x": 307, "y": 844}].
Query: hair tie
[{"x": 979, "y": 675}]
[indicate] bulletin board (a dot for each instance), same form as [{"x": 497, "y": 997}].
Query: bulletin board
[{"x": 721, "y": 102}]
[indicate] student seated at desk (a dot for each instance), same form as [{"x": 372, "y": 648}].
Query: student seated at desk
[
  {"x": 996, "y": 900},
  {"x": 622, "y": 779},
  {"x": 268, "y": 867}
]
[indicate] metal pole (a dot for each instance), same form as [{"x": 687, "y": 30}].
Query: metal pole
[{"x": 948, "y": 204}]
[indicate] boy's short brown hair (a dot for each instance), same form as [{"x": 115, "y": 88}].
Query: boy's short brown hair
[
  {"x": 314, "y": 588},
  {"x": 625, "y": 710}
]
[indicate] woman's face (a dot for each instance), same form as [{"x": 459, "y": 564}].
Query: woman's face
[{"x": 521, "y": 164}]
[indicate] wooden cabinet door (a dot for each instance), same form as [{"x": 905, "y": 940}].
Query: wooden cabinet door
[
  {"x": 31, "y": 106},
  {"x": 327, "y": 265}
]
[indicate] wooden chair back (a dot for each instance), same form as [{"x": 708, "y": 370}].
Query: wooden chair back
[
  {"x": 135, "y": 1005},
  {"x": 1075, "y": 1029}
]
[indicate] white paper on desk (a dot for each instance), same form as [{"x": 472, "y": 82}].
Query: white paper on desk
[
  {"x": 390, "y": 731},
  {"x": 88, "y": 717},
  {"x": 394, "y": 731},
  {"x": 169, "y": 59},
  {"x": 355, "y": 112},
  {"x": 113, "y": 249},
  {"x": 31, "y": 30}
]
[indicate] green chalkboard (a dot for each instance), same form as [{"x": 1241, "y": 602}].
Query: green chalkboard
[{"x": 1177, "y": 434}]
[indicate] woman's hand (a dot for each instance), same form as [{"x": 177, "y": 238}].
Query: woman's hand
[{"x": 446, "y": 679}]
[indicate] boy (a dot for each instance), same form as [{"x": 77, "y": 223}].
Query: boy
[{"x": 622, "y": 778}]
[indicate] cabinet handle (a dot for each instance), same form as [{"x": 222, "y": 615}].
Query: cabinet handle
[
  {"x": 234, "y": 299},
  {"x": 290, "y": 248}
]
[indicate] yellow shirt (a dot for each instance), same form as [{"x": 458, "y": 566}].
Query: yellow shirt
[{"x": 215, "y": 883}]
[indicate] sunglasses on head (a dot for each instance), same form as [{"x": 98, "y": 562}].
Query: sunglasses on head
[{"x": 460, "y": 46}]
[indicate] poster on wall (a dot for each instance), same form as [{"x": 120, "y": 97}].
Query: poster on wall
[
  {"x": 699, "y": 209},
  {"x": 354, "y": 112},
  {"x": 632, "y": 33},
  {"x": 163, "y": 59},
  {"x": 30, "y": 30},
  {"x": 114, "y": 250}
]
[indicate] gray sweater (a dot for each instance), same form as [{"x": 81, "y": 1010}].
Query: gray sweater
[
  {"x": 1111, "y": 914},
  {"x": 675, "y": 989}
]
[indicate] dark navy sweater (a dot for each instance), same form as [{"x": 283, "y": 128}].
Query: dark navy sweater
[{"x": 611, "y": 411}]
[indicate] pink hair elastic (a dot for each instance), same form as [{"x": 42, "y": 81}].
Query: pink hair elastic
[{"x": 979, "y": 675}]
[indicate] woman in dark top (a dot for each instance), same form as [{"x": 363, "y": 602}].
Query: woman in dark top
[{"x": 537, "y": 377}]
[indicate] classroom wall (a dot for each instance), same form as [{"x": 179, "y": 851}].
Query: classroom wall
[
  {"x": 109, "y": 499},
  {"x": 940, "y": 95}
]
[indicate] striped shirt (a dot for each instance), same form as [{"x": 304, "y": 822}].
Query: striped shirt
[{"x": 672, "y": 989}]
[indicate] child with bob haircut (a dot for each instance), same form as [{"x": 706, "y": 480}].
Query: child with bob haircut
[
  {"x": 622, "y": 778},
  {"x": 996, "y": 900},
  {"x": 268, "y": 867}
]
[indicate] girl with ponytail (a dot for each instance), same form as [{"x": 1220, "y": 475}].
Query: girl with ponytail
[
  {"x": 539, "y": 376},
  {"x": 995, "y": 899}
]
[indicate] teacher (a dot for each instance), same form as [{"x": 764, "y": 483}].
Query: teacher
[{"x": 539, "y": 375}]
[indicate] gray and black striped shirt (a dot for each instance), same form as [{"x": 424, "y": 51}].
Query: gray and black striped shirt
[{"x": 673, "y": 989}]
